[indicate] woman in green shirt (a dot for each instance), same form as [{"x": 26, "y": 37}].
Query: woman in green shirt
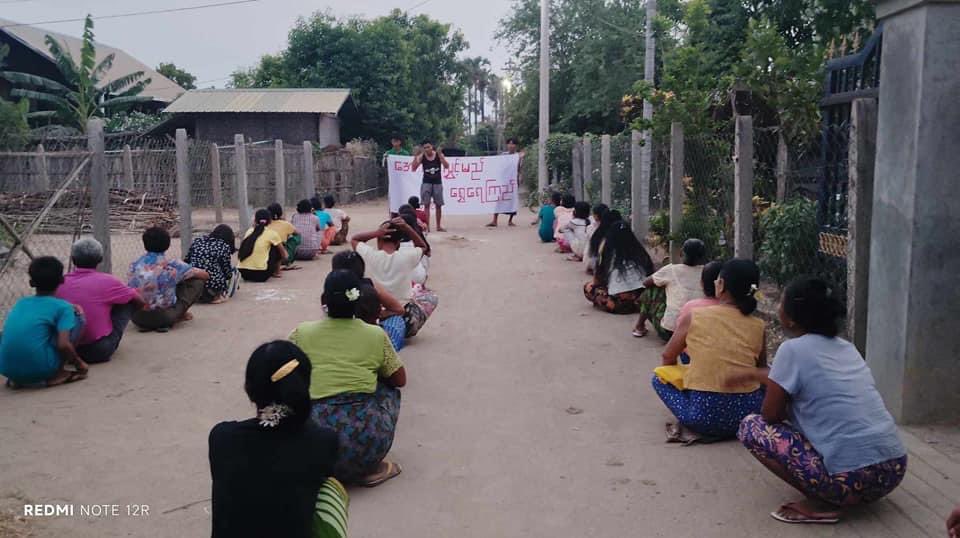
[{"x": 355, "y": 374}]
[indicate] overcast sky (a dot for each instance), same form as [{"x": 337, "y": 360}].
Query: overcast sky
[{"x": 211, "y": 43}]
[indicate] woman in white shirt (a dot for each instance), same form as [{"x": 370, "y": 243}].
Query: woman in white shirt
[
  {"x": 394, "y": 268},
  {"x": 667, "y": 290},
  {"x": 575, "y": 231},
  {"x": 621, "y": 269}
]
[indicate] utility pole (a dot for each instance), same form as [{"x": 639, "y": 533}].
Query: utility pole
[
  {"x": 641, "y": 192},
  {"x": 544, "y": 94}
]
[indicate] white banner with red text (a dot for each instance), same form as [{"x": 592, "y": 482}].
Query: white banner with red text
[{"x": 471, "y": 186}]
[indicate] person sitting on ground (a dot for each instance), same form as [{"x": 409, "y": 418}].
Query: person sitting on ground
[
  {"x": 722, "y": 342},
  {"x": 414, "y": 202},
  {"x": 563, "y": 214},
  {"x": 355, "y": 376},
  {"x": 547, "y": 216},
  {"x": 708, "y": 279},
  {"x": 271, "y": 473},
  {"x": 391, "y": 311},
  {"x": 327, "y": 228},
  {"x": 422, "y": 271},
  {"x": 308, "y": 226},
  {"x": 618, "y": 280},
  {"x": 590, "y": 253},
  {"x": 214, "y": 253},
  {"x": 261, "y": 251},
  {"x": 168, "y": 286},
  {"x": 393, "y": 269},
  {"x": 953, "y": 523},
  {"x": 840, "y": 447},
  {"x": 575, "y": 232},
  {"x": 340, "y": 220},
  {"x": 38, "y": 336},
  {"x": 667, "y": 290},
  {"x": 106, "y": 302},
  {"x": 288, "y": 233}
]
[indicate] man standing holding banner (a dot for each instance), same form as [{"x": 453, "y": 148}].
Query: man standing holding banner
[
  {"x": 511, "y": 150},
  {"x": 432, "y": 188}
]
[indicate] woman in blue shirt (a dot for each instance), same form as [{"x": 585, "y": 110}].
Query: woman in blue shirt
[{"x": 840, "y": 447}]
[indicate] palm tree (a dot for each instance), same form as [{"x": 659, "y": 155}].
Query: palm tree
[
  {"x": 493, "y": 94},
  {"x": 84, "y": 95}
]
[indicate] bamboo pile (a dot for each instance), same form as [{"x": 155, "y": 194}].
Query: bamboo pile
[{"x": 129, "y": 211}]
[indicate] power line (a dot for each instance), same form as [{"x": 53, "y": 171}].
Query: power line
[
  {"x": 136, "y": 13},
  {"x": 415, "y": 6}
]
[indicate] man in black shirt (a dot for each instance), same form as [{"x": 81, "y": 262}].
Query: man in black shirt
[{"x": 432, "y": 188}]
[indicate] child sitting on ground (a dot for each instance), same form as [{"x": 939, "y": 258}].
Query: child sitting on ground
[
  {"x": 40, "y": 331},
  {"x": 327, "y": 227},
  {"x": 288, "y": 233},
  {"x": 341, "y": 222},
  {"x": 563, "y": 214},
  {"x": 575, "y": 231},
  {"x": 421, "y": 215},
  {"x": 547, "y": 216}
]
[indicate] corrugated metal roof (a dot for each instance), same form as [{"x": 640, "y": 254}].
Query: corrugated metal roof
[
  {"x": 160, "y": 88},
  {"x": 303, "y": 100}
]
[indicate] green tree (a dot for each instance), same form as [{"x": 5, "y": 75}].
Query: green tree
[
  {"x": 85, "y": 95},
  {"x": 184, "y": 79},
  {"x": 14, "y": 131}
]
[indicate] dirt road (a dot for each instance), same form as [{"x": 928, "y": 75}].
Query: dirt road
[{"x": 527, "y": 414}]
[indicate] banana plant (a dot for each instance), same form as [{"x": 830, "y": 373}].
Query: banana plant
[{"x": 85, "y": 94}]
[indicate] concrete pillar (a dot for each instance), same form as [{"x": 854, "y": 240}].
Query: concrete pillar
[
  {"x": 862, "y": 155},
  {"x": 128, "y": 168},
  {"x": 783, "y": 165},
  {"x": 576, "y": 166},
  {"x": 678, "y": 192},
  {"x": 743, "y": 188},
  {"x": 184, "y": 192},
  {"x": 914, "y": 309},
  {"x": 43, "y": 176},
  {"x": 328, "y": 131},
  {"x": 216, "y": 182},
  {"x": 243, "y": 203},
  {"x": 280, "y": 174},
  {"x": 309, "y": 184},
  {"x": 99, "y": 191},
  {"x": 639, "y": 187},
  {"x": 587, "y": 167},
  {"x": 605, "y": 187}
]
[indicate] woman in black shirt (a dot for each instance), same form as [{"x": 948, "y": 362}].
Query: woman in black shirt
[
  {"x": 213, "y": 253},
  {"x": 270, "y": 473}
]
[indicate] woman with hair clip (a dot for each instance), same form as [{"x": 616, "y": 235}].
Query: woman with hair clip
[
  {"x": 213, "y": 253},
  {"x": 618, "y": 280},
  {"x": 722, "y": 341},
  {"x": 271, "y": 473},
  {"x": 840, "y": 447},
  {"x": 356, "y": 375},
  {"x": 261, "y": 251}
]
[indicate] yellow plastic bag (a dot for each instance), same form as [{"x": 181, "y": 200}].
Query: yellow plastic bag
[{"x": 672, "y": 374}]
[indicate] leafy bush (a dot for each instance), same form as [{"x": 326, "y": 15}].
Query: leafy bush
[
  {"x": 660, "y": 227},
  {"x": 14, "y": 131},
  {"x": 790, "y": 241}
]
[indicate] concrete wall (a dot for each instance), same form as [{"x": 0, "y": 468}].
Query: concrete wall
[
  {"x": 329, "y": 130},
  {"x": 291, "y": 128}
]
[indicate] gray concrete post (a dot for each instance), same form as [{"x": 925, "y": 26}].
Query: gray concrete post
[
  {"x": 914, "y": 308},
  {"x": 309, "y": 184},
  {"x": 576, "y": 166},
  {"x": 605, "y": 187},
  {"x": 184, "y": 191},
  {"x": 43, "y": 177},
  {"x": 127, "y": 167},
  {"x": 862, "y": 155},
  {"x": 243, "y": 202},
  {"x": 587, "y": 168},
  {"x": 743, "y": 188},
  {"x": 216, "y": 182},
  {"x": 678, "y": 192},
  {"x": 280, "y": 175},
  {"x": 639, "y": 188},
  {"x": 783, "y": 165},
  {"x": 99, "y": 191}
]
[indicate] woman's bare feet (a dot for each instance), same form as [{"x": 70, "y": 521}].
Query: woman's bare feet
[
  {"x": 222, "y": 298},
  {"x": 439, "y": 229}
]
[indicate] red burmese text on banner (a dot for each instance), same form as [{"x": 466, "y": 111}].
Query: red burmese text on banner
[{"x": 471, "y": 186}]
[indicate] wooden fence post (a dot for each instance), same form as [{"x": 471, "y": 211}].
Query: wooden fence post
[
  {"x": 678, "y": 192},
  {"x": 743, "y": 188},
  {"x": 43, "y": 181},
  {"x": 280, "y": 172},
  {"x": 587, "y": 167},
  {"x": 605, "y": 196},
  {"x": 639, "y": 188},
  {"x": 309, "y": 185},
  {"x": 216, "y": 182},
  {"x": 862, "y": 155},
  {"x": 128, "y": 168},
  {"x": 783, "y": 165},
  {"x": 184, "y": 192},
  {"x": 99, "y": 191},
  {"x": 240, "y": 166},
  {"x": 576, "y": 166}
]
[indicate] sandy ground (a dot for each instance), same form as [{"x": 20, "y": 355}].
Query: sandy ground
[{"x": 527, "y": 414}]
